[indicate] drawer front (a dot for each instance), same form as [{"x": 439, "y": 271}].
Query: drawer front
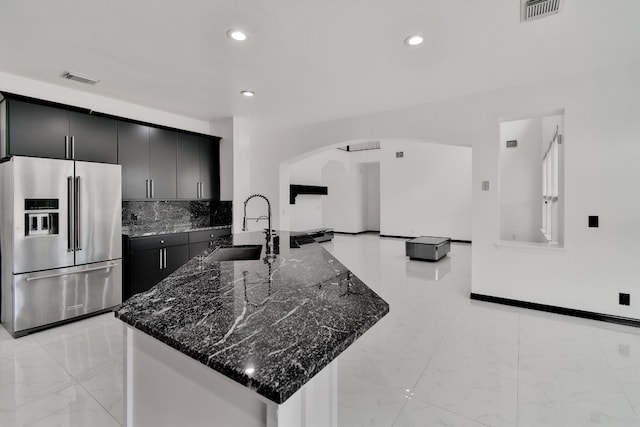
[
  {"x": 159, "y": 241},
  {"x": 55, "y": 295},
  {"x": 206, "y": 235}
]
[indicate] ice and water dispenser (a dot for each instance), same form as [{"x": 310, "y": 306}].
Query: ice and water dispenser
[{"x": 41, "y": 217}]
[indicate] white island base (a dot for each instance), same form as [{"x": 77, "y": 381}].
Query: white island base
[{"x": 164, "y": 387}]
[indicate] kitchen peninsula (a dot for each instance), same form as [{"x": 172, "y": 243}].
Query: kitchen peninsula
[{"x": 246, "y": 343}]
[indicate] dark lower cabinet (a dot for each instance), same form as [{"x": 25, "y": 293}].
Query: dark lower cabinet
[
  {"x": 197, "y": 248},
  {"x": 203, "y": 239},
  {"x": 148, "y": 260}
]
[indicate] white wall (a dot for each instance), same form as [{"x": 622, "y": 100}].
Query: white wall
[
  {"x": 602, "y": 152},
  {"x": 427, "y": 192},
  {"x": 521, "y": 181}
]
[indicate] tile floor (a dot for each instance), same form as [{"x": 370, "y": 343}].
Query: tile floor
[{"x": 437, "y": 359}]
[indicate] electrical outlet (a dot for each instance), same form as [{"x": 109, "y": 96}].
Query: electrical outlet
[
  {"x": 134, "y": 217},
  {"x": 624, "y": 299},
  {"x": 485, "y": 185},
  {"x": 399, "y": 154},
  {"x": 593, "y": 221}
]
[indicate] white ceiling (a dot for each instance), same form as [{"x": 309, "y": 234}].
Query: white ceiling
[{"x": 307, "y": 60}]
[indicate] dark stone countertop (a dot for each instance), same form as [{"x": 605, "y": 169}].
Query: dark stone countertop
[
  {"x": 270, "y": 325},
  {"x": 154, "y": 230}
]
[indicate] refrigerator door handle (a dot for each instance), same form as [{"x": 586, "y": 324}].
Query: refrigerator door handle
[
  {"x": 47, "y": 276},
  {"x": 77, "y": 215},
  {"x": 70, "y": 222}
]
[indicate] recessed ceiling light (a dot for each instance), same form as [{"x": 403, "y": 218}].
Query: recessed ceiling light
[
  {"x": 413, "y": 40},
  {"x": 248, "y": 93},
  {"x": 237, "y": 35}
]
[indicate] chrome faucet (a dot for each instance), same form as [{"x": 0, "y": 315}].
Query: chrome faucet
[{"x": 269, "y": 234}]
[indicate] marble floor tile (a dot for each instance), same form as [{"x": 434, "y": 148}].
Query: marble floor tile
[
  {"x": 417, "y": 413},
  {"x": 29, "y": 374},
  {"x": 621, "y": 349},
  {"x": 88, "y": 353},
  {"x": 82, "y": 413},
  {"x": 44, "y": 407},
  {"x": 485, "y": 398},
  {"x": 107, "y": 388},
  {"x": 362, "y": 403},
  {"x": 574, "y": 404}
]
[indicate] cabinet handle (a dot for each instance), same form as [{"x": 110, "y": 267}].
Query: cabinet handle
[
  {"x": 66, "y": 146},
  {"x": 201, "y": 190},
  {"x": 151, "y": 188},
  {"x": 146, "y": 183},
  {"x": 161, "y": 258},
  {"x": 197, "y": 190},
  {"x": 165, "y": 257},
  {"x": 73, "y": 147}
]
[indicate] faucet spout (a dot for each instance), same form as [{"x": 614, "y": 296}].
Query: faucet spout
[{"x": 269, "y": 235}]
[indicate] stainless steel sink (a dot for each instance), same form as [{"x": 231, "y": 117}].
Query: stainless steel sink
[{"x": 236, "y": 253}]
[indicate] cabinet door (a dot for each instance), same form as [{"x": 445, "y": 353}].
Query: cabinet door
[
  {"x": 162, "y": 163},
  {"x": 37, "y": 130},
  {"x": 209, "y": 169},
  {"x": 95, "y": 139},
  {"x": 188, "y": 166},
  {"x": 144, "y": 270},
  {"x": 197, "y": 248},
  {"x": 177, "y": 256},
  {"x": 133, "y": 155}
]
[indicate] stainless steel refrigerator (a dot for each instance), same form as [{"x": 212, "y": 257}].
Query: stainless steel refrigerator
[{"x": 60, "y": 241}]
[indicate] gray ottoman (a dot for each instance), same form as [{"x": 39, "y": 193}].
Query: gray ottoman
[{"x": 427, "y": 248}]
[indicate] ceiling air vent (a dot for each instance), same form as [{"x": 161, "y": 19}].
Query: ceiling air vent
[
  {"x": 82, "y": 78},
  {"x": 535, "y": 9}
]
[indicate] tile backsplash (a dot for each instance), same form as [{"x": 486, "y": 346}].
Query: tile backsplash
[{"x": 195, "y": 213}]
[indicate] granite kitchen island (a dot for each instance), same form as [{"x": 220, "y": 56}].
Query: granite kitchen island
[{"x": 246, "y": 343}]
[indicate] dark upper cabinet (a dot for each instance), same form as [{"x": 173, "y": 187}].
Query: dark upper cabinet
[
  {"x": 198, "y": 167},
  {"x": 188, "y": 166},
  {"x": 94, "y": 138},
  {"x": 162, "y": 163},
  {"x": 148, "y": 159},
  {"x": 209, "y": 170},
  {"x": 45, "y": 131},
  {"x": 37, "y": 130},
  {"x": 133, "y": 155}
]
